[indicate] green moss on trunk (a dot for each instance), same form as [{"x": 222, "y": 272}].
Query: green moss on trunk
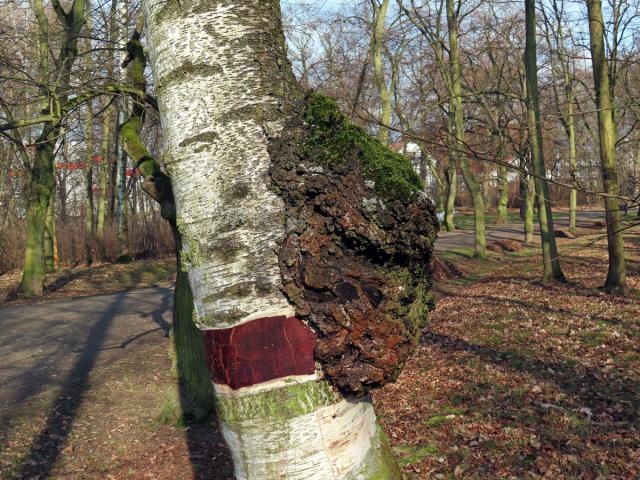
[
  {"x": 333, "y": 139},
  {"x": 32, "y": 284},
  {"x": 188, "y": 350},
  {"x": 39, "y": 194},
  {"x": 49, "y": 238}
]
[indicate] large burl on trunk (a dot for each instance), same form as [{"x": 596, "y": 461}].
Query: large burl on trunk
[{"x": 356, "y": 258}]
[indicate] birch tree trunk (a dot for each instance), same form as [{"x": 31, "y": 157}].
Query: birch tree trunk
[
  {"x": 617, "y": 275},
  {"x": 186, "y": 350},
  {"x": 225, "y": 91}
]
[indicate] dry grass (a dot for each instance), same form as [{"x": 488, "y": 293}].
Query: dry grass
[{"x": 148, "y": 237}]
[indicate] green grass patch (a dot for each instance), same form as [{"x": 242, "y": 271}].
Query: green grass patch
[
  {"x": 170, "y": 412},
  {"x": 627, "y": 358},
  {"x": 466, "y": 252},
  {"x": 493, "y": 339},
  {"x": 464, "y": 221},
  {"x": 438, "y": 420},
  {"x": 412, "y": 454},
  {"x": 522, "y": 335},
  {"x": 498, "y": 327},
  {"x": 445, "y": 414},
  {"x": 527, "y": 252},
  {"x": 593, "y": 338}
]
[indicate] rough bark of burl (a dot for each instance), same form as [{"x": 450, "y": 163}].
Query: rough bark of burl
[{"x": 355, "y": 261}]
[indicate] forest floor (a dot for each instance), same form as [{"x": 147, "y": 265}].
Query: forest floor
[
  {"x": 514, "y": 379},
  {"x": 98, "y": 279}
]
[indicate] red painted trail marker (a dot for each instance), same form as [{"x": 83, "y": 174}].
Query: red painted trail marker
[{"x": 261, "y": 350}]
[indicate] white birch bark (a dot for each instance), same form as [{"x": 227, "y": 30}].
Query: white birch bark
[{"x": 223, "y": 82}]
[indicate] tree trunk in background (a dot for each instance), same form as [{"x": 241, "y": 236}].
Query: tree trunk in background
[
  {"x": 88, "y": 202},
  {"x": 120, "y": 188},
  {"x": 42, "y": 184},
  {"x": 573, "y": 163},
  {"x": 503, "y": 195},
  {"x": 530, "y": 199},
  {"x": 50, "y": 242},
  {"x": 230, "y": 223},
  {"x": 522, "y": 182},
  {"x": 566, "y": 118},
  {"x": 455, "y": 109},
  {"x": 42, "y": 181},
  {"x": 441, "y": 199},
  {"x": 441, "y": 183},
  {"x": 123, "y": 108},
  {"x": 617, "y": 276},
  {"x": 38, "y": 197},
  {"x": 573, "y": 157},
  {"x": 451, "y": 176},
  {"x": 377, "y": 45},
  {"x": 103, "y": 174},
  {"x": 61, "y": 188},
  {"x": 550, "y": 259}
]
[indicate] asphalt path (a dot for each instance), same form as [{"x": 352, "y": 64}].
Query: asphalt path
[
  {"x": 57, "y": 344},
  {"x": 512, "y": 231}
]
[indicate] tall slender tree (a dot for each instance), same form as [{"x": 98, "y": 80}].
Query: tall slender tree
[
  {"x": 607, "y": 134},
  {"x": 457, "y": 114},
  {"x": 550, "y": 258},
  {"x": 55, "y": 83},
  {"x": 380, "y": 9},
  {"x": 555, "y": 33},
  {"x": 103, "y": 173},
  {"x": 88, "y": 204}
]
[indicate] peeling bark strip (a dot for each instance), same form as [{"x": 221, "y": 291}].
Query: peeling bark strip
[{"x": 259, "y": 351}]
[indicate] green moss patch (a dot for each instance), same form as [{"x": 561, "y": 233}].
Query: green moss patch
[
  {"x": 280, "y": 404},
  {"x": 332, "y": 140},
  {"x": 412, "y": 454}
]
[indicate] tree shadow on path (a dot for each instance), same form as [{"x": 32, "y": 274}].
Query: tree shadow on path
[
  {"x": 208, "y": 453},
  {"x": 47, "y": 446}
]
